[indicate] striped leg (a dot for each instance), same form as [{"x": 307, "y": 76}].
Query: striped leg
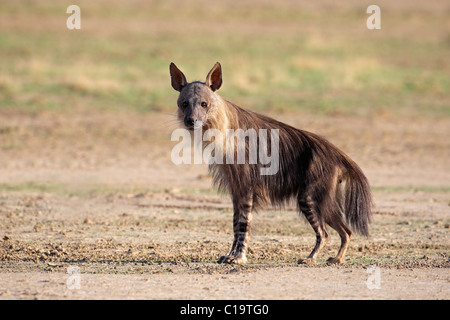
[
  {"x": 308, "y": 210},
  {"x": 242, "y": 217}
]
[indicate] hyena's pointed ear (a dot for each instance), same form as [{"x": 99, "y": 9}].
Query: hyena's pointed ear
[
  {"x": 214, "y": 77},
  {"x": 177, "y": 77}
]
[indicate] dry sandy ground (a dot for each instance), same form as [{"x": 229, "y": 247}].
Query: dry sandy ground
[
  {"x": 288, "y": 282},
  {"x": 98, "y": 192}
]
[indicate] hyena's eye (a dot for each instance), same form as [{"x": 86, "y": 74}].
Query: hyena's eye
[
  {"x": 184, "y": 105},
  {"x": 204, "y": 104}
]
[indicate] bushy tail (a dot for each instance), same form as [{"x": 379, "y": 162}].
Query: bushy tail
[{"x": 358, "y": 198}]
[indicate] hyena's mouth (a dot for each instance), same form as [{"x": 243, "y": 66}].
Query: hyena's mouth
[{"x": 198, "y": 125}]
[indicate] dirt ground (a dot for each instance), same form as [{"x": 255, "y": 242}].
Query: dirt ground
[{"x": 92, "y": 198}]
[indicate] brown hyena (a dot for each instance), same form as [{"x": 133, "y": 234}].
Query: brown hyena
[{"x": 328, "y": 187}]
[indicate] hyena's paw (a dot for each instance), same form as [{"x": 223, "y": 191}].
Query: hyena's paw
[
  {"x": 333, "y": 260},
  {"x": 306, "y": 261},
  {"x": 232, "y": 260}
]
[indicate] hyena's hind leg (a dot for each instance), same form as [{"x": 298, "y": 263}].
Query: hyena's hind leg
[
  {"x": 242, "y": 216},
  {"x": 308, "y": 208},
  {"x": 337, "y": 223}
]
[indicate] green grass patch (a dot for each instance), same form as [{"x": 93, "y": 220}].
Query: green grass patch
[
  {"x": 275, "y": 56},
  {"x": 430, "y": 189},
  {"x": 81, "y": 190}
]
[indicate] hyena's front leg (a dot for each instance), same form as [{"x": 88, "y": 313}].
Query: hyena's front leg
[{"x": 242, "y": 216}]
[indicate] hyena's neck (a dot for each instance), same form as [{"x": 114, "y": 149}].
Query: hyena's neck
[{"x": 223, "y": 117}]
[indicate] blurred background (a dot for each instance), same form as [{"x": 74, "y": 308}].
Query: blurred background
[
  {"x": 316, "y": 56},
  {"x": 100, "y": 97}
]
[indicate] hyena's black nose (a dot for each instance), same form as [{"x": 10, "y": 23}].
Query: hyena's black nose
[{"x": 189, "y": 122}]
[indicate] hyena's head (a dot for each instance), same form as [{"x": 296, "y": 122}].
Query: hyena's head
[{"x": 197, "y": 101}]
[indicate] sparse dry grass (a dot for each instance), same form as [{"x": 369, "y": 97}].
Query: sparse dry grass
[{"x": 294, "y": 55}]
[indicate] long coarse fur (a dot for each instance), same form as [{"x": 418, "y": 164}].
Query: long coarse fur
[
  {"x": 329, "y": 188},
  {"x": 309, "y": 166}
]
